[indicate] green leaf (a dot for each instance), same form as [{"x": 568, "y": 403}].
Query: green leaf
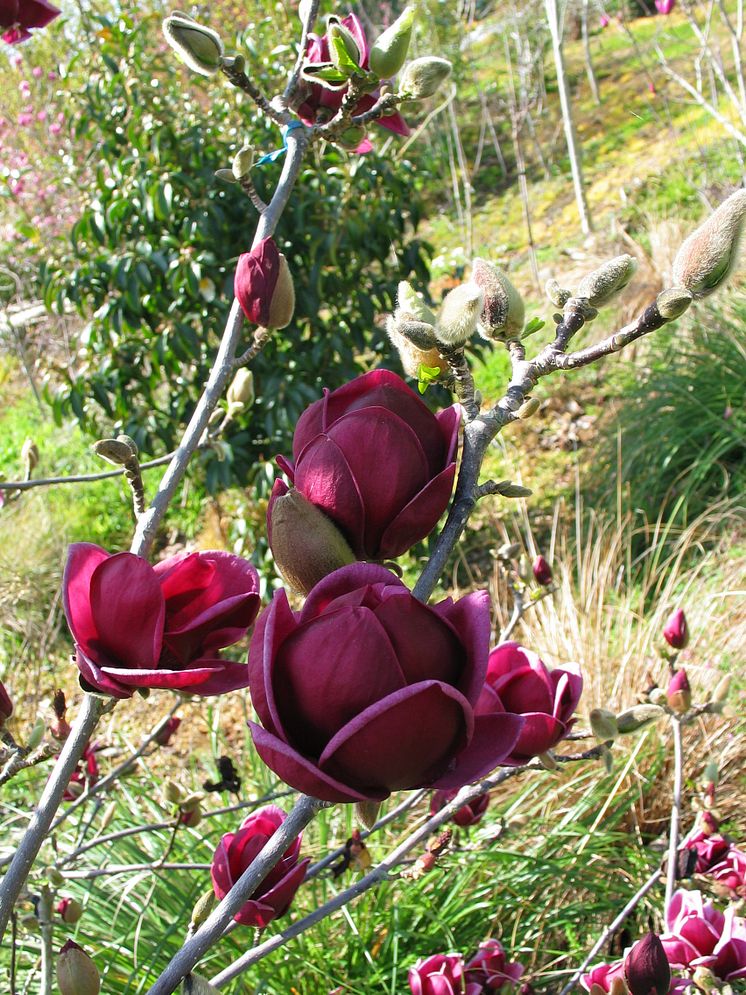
[{"x": 534, "y": 325}]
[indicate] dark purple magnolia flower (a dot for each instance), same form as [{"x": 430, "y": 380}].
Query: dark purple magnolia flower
[
  {"x": 542, "y": 571},
  {"x": 85, "y": 774},
  {"x": 730, "y": 872},
  {"x": 710, "y": 848},
  {"x": 679, "y": 693},
  {"x": 168, "y": 731},
  {"x": 469, "y": 814},
  {"x": 440, "y": 974},
  {"x": 702, "y": 936},
  {"x": 263, "y": 286},
  {"x": 367, "y": 691},
  {"x": 518, "y": 681},
  {"x": 675, "y": 631},
  {"x": 490, "y": 969},
  {"x": 138, "y": 626},
  {"x": 20, "y": 17},
  {"x": 373, "y": 458},
  {"x": 646, "y": 967},
  {"x": 6, "y": 705},
  {"x": 664, "y": 6},
  {"x": 236, "y": 851},
  {"x": 322, "y": 103}
]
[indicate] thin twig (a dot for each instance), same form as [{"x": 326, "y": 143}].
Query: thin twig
[
  {"x": 294, "y": 79},
  {"x": 612, "y": 928},
  {"x": 213, "y": 928},
  {"x": 515, "y": 618},
  {"x": 44, "y": 912},
  {"x": 242, "y": 82},
  {"x": 82, "y": 478},
  {"x": 673, "y": 833},
  {"x": 153, "y": 866},
  {"x": 41, "y": 820},
  {"x": 20, "y": 760}
]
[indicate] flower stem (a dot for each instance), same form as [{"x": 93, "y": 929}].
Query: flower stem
[{"x": 673, "y": 833}]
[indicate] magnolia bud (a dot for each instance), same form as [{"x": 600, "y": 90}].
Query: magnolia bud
[
  {"x": 6, "y": 705},
  {"x": 226, "y": 175},
  {"x": 675, "y": 631},
  {"x": 672, "y": 303},
  {"x": 243, "y": 161},
  {"x": 528, "y": 408},
  {"x": 172, "y": 792},
  {"x": 115, "y": 451},
  {"x": 503, "y": 312},
  {"x": 458, "y": 316},
  {"x": 419, "y": 333},
  {"x": 603, "y": 724},
  {"x": 556, "y": 294},
  {"x": 412, "y": 356},
  {"x": 542, "y": 571},
  {"x": 29, "y": 455},
  {"x": 707, "y": 257},
  {"x": 306, "y": 544},
  {"x": 351, "y": 137},
  {"x": 638, "y": 717},
  {"x": 198, "y": 47},
  {"x": 343, "y": 49},
  {"x": 241, "y": 391},
  {"x": 390, "y": 48},
  {"x": 658, "y": 697},
  {"x": 76, "y": 972},
  {"x": 36, "y": 735},
  {"x": 367, "y": 812},
  {"x": 70, "y": 910},
  {"x": 679, "y": 693},
  {"x": 202, "y": 910},
  {"x": 646, "y": 967},
  {"x": 106, "y": 819},
  {"x": 720, "y": 694},
  {"x": 605, "y": 282},
  {"x": 191, "y": 815},
  {"x": 409, "y": 301},
  {"x": 423, "y": 77},
  {"x": 264, "y": 286}
]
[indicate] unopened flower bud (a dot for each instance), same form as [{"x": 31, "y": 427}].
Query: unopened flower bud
[
  {"x": 343, "y": 49},
  {"x": 243, "y": 160},
  {"x": 423, "y": 77},
  {"x": 390, "y": 48},
  {"x": 172, "y": 792},
  {"x": 672, "y": 303},
  {"x": 603, "y": 724},
  {"x": 6, "y": 705},
  {"x": 638, "y": 717},
  {"x": 679, "y": 693},
  {"x": 202, "y": 910},
  {"x": 646, "y": 967},
  {"x": 106, "y": 819},
  {"x": 413, "y": 358},
  {"x": 59, "y": 727},
  {"x": 508, "y": 550},
  {"x": 419, "y": 333},
  {"x": 542, "y": 571},
  {"x": 36, "y": 735},
  {"x": 54, "y": 877},
  {"x": 198, "y": 47},
  {"x": 556, "y": 294},
  {"x": 458, "y": 315},
  {"x": 306, "y": 544},
  {"x": 29, "y": 455},
  {"x": 264, "y": 287},
  {"x": 114, "y": 451},
  {"x": 241, "y": 391},
  {"x": 367, "y": 812},
  {"x": 351, "y": 137},
  {"x": 226, "y": 175},
  {"x": 70, "y": 910},
  {"x": 528, "y": 408},
  {"x": 410, "y": 302},
  {"x": 658, "y": 697},
  {"x": 605, "y": 282},
  {"x": 676, "y": 632},
  {"x": 76, "y": 972},
  {"x": 167, "y": 731},
  {"x": 503, "y": 312},
  {"x": 707, "y": 257},
  {"x": 190, "y": 815}
]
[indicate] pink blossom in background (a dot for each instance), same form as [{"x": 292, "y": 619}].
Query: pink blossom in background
[
  {"x": 25, "y": 119},
  {"x": 490, "y": 968},
  {"x": 37, "y": 72},
  {"x": 665, "y": 6},
  {"x": 55, "y": 129},
  {"x": 20, "y": 17},
  {"x": 709, "y": 847},
  {"x": 41, "y": 116},
  {"x": 730, "y": 872},
  {"x": 469, "y": 814}
]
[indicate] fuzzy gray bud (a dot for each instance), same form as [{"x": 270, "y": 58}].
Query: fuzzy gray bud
[
  {"x": 605, "y": 282},
  {"x": 412, "y": 356},
  {"x": 459, "y": 314},
  {"x": 198, "y": 47},
  {"x": 638, "y": 717},
  {"x": 423, "y": 77},
  {"x": 243, "y": 160},
  {"x": 707, "y": 257},
  {"x": 241, "y": 391},
  {"x": 503, "y": 312},
  {"x": 673, "y": 303},
  {"x": 556, "y": 294},
  {"x": 407, "y": 299},
  {"x": 603, "y": 724}
]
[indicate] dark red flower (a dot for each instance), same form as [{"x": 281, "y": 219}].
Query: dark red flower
[
  {"x": 730, "y": 872},
  {"x": 20, "y": 17},
  {"x": 709, "y": 847},
  {"x": 367, "y": 690},
  {"x": 372, "y": 457},
  {"x": 490, "y": 968},
  {"x": 679, "y": 693},
  {"x": 675, "y": 631},
  {"x": 440, "y": 974},
  {"x": 469, "y": 814},
  {"x": 321, "y": 103},
  {"x": 167, "y": 732},
  {"x": 85, "y": 774},
  {"x": 518, "y": 681},
  {"x": 263, "y": 286},
  {"x": 139, "y": 626},
  {"x": 646, "y": 967},
  {"x": 237, "y": 851},
  {"x": 6, "y": 705},
  {"x": 542, "y": 571}
]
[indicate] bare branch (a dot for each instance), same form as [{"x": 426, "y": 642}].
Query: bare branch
[{"x": 84, "y": 478}]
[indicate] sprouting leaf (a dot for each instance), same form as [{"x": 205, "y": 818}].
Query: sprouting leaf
[
  {"x": 426, "y": 375},
  {"x": 534, "y": 325}
]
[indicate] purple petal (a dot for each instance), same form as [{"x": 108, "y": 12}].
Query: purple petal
[
  {"x": 494, "y": 738},
  {"x": 93, "y": 675},
  {"x": 469, "y": 617},
  {"x": 82, "y": 560},
  {"x": 345, "y": 580},
  {"x": 275, "y": 624},
  {"x": 540, "y": 733},
  {"x": 128, "y": 612},
  {"x": 418, "y": 517},
  {"x": 425, "y": 646},
  {"x": 324, "y": 477}
]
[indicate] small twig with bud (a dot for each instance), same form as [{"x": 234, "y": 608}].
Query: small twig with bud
[
  {"x": 233, "y": 69},
  {"x": 123, "y": 452}
]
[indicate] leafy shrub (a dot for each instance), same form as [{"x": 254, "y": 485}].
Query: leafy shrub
[{"x": 152, "y": 254}]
